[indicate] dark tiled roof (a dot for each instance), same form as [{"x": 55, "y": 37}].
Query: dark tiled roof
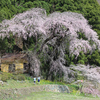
[{"x": 14, "y": 58}]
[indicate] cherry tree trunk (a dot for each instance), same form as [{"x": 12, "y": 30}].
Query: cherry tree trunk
[
  {"x": 34, "y": 64},
  {"x": 19, "y": 41}
]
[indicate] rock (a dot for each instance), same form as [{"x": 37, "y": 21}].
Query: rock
[
  {"x": 1, "y": 83},
  {"x": 57, "y": 88}
]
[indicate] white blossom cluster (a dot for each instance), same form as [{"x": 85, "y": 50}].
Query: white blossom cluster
[{"x": 66, "y": 24}]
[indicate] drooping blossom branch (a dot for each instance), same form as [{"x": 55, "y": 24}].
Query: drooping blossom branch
[{"x": 66, "y": 24}]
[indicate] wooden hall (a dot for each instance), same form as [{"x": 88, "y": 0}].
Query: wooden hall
[{"x": 13, "y": 62}]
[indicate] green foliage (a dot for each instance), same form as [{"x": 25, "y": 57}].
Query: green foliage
[
  {"x": 6, "y": 45},
  {"x": 44, "y": 82},
  {"x": 80, "y": 76},
  {"x": 82, "y": 58},
  {"x": 10, "y": 76},
  {"x": 8, "y": 8},
  {"x": 42, "y": 4},
  {"x": 73, "y": 88},
  {"x": 5, "y": 76},
  {"x": 81, "y": 62},
  {"x": 28, "y": 4},
  {"x": 44, "y": 66},
  {"x": 94, "y": 58},
  {"x": 81, "y": 36},
  {"x": 70, "y": 60},
  {"x": 56, "y": 77},
  {"x": 14, "y": 77},
  {"x": 29, "y": 43},
  {"x": 20, "y": 77}
]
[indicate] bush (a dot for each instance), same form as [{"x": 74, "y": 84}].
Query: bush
[
  {"x": 81, "y": 62},
  {"x": 7, "y": 76},
  {"x": 14, "y": 77},
  {"x": 73, "y": 88},
  {"x": 4, "y": 78},
  {"x": 20, "y": 77}
]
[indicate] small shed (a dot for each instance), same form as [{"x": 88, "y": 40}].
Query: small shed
[{"x": 13, "y": 62}]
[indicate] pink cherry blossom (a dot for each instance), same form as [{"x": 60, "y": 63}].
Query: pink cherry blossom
[{"x": 66, "y": 24}]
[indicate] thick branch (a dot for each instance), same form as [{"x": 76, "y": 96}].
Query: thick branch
[{"x": 41, "y": 48}]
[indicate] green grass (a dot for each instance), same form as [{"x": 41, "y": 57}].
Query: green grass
[
  {"x": 10, "y": 84},
  {"x": 74, "y": 95},
  {"x": 53, "y": 96},
  {"x": 43, "y": 82},
  {"x": 28, "y": 82}
]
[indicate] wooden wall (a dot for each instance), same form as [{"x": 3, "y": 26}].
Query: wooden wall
[{"x": 18, "y": 66}]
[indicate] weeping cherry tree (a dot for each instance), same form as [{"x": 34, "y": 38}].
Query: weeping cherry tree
[{"x": 57, "y": 30}]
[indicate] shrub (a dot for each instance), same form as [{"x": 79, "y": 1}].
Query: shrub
[
  {"x": 4, "y": 78},
  {"x": 10, "y": 75},
  {"x": 20, "y": 77},
  {"x": 7, "y": 76},
  {"x": 73, "y": 88},
  {"x": 14, "y": 77}
]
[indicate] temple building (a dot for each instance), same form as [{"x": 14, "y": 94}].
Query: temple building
[{"x": 13, "y": 62}]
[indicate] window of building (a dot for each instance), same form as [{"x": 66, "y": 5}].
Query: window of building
[{"x": 11, "y": 67}]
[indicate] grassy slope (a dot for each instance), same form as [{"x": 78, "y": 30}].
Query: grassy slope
[
  {"x": 27, "y": 83},
  {"x": 12, "y": 84},
  {"x": 53, "y": 96},
  {"x": 43, "y": 95}
]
